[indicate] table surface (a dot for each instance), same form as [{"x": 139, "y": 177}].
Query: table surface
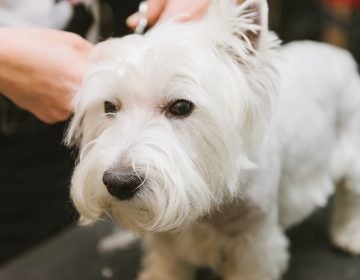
[{"x": 72, "y": 255}]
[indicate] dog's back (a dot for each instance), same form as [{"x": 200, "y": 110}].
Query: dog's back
[{"x": 318, "y": 126}]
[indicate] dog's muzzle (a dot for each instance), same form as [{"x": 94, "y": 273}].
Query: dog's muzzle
[{"x": 122, "y": 184}]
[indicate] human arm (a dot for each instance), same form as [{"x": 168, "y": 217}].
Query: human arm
[{"x": 40, "y": 69}]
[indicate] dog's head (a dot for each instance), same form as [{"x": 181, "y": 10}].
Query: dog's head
[{"x": 168, "y": 122}]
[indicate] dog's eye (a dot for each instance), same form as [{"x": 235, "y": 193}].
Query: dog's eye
[
  {"x": 110, "y": 108},
  {"x": 181, "y": 108}
]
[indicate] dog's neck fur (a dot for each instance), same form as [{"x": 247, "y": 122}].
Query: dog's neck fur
[{"x": 223, "y": 224}]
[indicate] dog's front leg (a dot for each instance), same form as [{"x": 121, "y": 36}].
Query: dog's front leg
[
  {"x": 260, "y": 254},
  {"x": 160, "y": 262}
]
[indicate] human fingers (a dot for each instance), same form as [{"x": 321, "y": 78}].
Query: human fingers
[
  {"x": 194, "y": 9},
  {"x": 155, "y": 8}
]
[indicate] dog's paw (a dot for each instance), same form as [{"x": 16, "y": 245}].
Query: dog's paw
[{"x": 347, "y": 237}]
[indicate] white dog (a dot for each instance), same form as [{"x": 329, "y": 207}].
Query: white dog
[{"x": 210, "y": 140}]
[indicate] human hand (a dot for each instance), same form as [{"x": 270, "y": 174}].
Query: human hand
[
  {"x": 161, "y": 10},
  {"x": 41, "y": 69}
]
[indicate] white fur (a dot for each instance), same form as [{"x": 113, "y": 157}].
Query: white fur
[{"x": 222, "y": 184}]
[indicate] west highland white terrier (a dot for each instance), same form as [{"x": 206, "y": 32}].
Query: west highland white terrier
[{"x": 210, "y": 140}]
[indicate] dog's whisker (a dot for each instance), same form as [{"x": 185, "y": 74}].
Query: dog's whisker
[
  {"x": 143, "y": 179},
  {"x": 87, "y": 147}
]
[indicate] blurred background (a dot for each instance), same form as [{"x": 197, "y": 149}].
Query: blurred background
[
  {"x": 35, "y": 165},
  {"x": 333, "y": 21}
]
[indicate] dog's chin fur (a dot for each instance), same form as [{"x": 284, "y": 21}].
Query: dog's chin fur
[{"x": 233, "y": 174}]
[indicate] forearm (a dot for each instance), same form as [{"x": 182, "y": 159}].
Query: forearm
[
  {"x": 11, "y": 70},
  {"x": 5, "y": 59},
  {"x": 37, "y": 69}
]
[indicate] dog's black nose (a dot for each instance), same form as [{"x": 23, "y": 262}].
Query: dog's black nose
[{"x": 122, "y": 185}]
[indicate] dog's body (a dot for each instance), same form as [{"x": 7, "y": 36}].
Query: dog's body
[
  {"x": 318, "y": 125},
  {"x": 190, "y": 153},
  {"x": 302, "y": 159}
]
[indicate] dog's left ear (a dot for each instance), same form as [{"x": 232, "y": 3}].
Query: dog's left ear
[
  {"x": 256, "y": 13},
  {"x": 240, "y": 29}
]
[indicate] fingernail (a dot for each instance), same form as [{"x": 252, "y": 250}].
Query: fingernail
[{"x": 132, "y": 20}]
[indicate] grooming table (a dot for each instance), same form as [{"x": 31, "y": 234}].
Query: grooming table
[{"x": 72, "y": 255}]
